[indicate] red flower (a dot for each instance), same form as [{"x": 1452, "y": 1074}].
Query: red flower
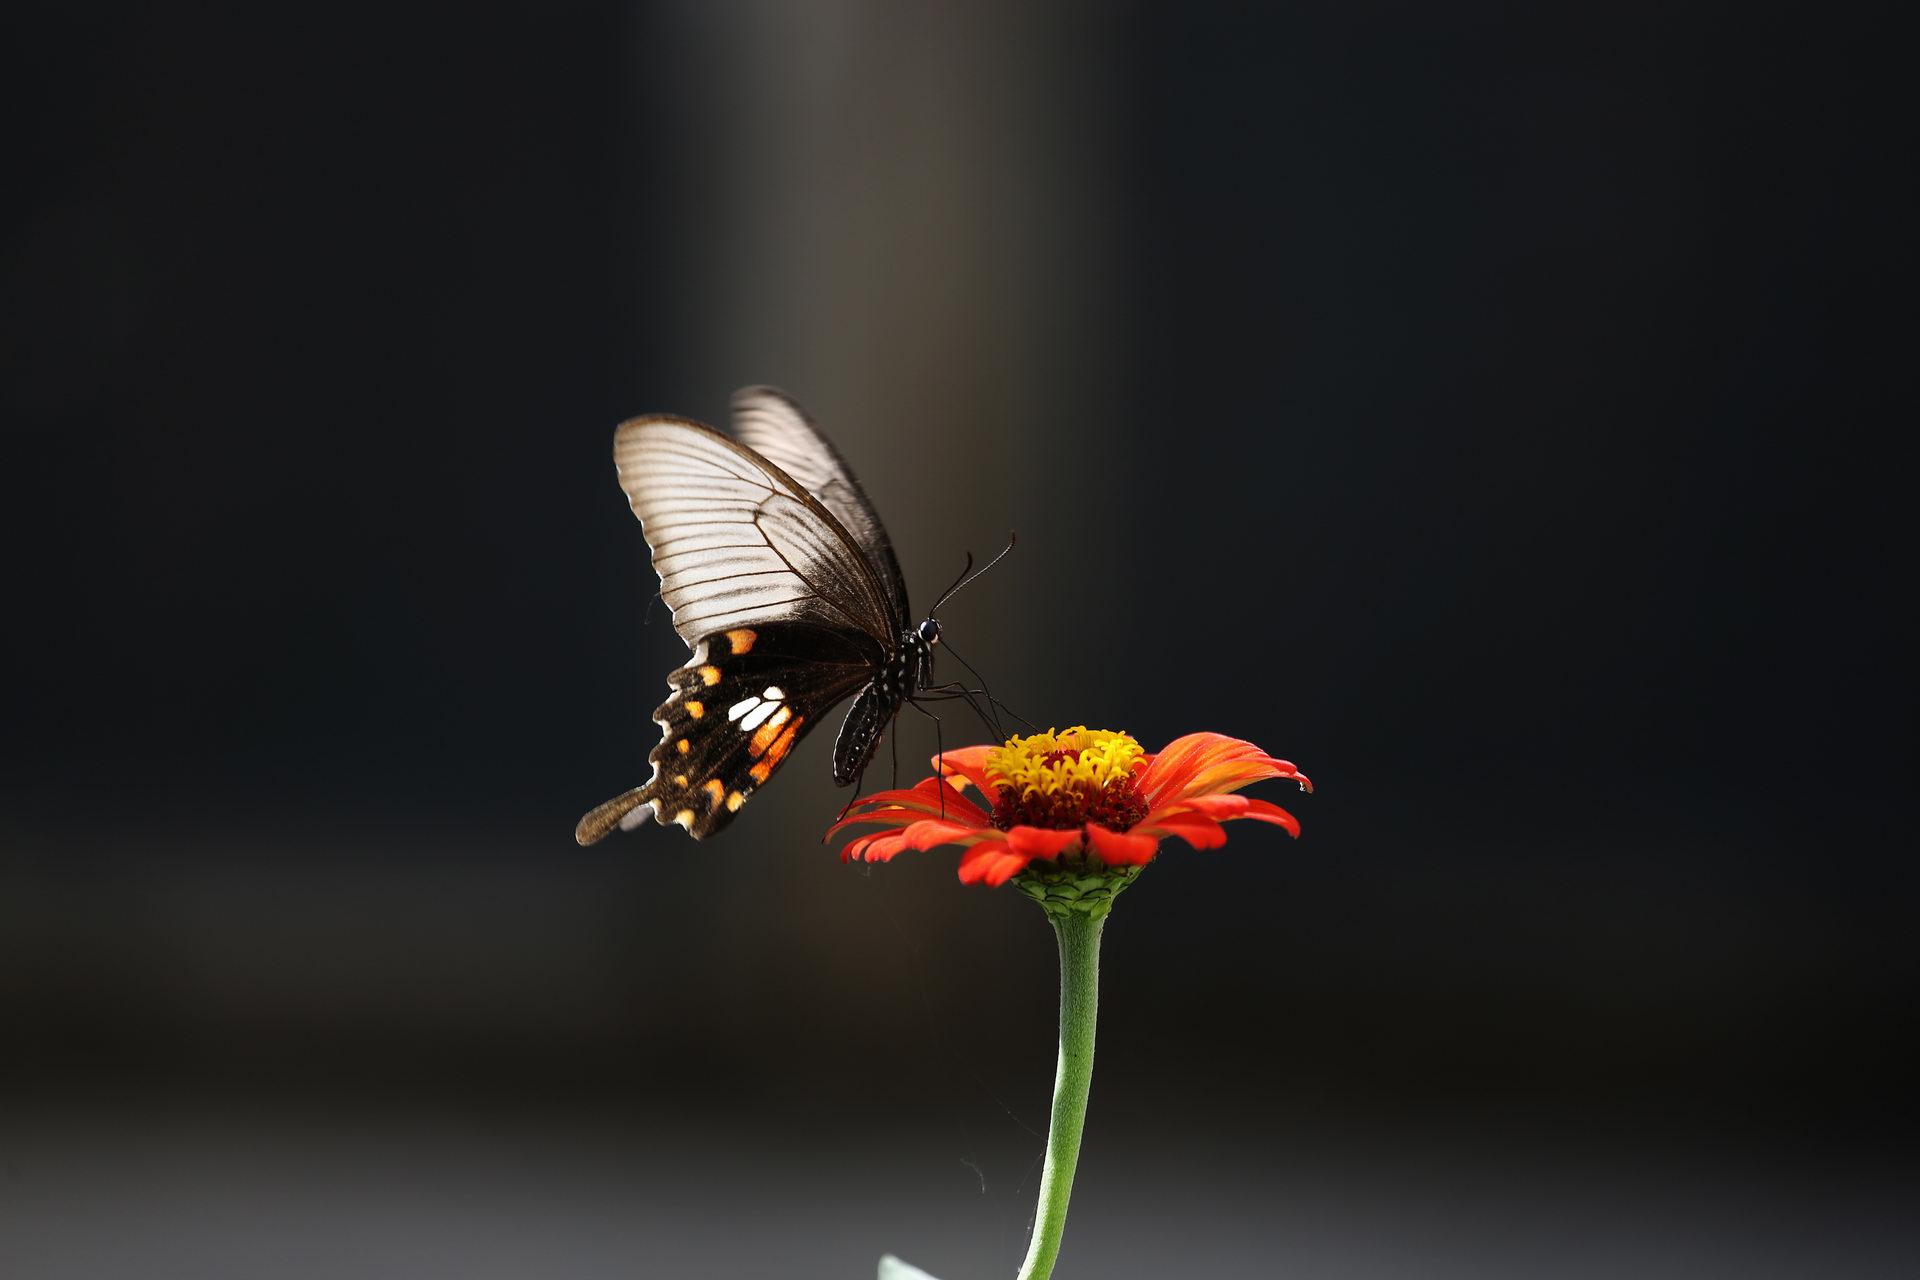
[{"x": 1090, "y": 794}]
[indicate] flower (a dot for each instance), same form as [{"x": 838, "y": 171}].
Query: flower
[{"x": 1085, "y": 799}]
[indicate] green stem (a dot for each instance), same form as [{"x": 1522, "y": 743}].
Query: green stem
[{"x": 1079, "y": 935}]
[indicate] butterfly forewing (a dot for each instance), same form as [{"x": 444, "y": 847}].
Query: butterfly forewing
[
  {"x": 768, "y": 422},
  {"x": 738, "y": 542}
]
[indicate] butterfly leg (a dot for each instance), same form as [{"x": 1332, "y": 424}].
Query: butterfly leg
[
  {"x": 1031, "y": 726},
  {"x": 940, "y": 753},
  {"x": 991, "y": 700},
  {"x": 853, "y": 794},
  {"x": 998, "y": 705},
  {"x": 1001, "y": 706},
  {"x": 957, "y": 690}
]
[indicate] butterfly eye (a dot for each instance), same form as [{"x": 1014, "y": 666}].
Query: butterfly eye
[{"x": 930, "y": 631}]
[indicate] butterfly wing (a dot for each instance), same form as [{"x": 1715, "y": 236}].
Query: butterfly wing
[
  {"x": 776, "y": 599},
  {"x": 736, "y": 711},
  {"x": 738, "y": 542},
  {"x": 767, "y": 421}
]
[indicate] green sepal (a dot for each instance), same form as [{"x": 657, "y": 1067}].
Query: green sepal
[{"x": 1075, "y": 884}]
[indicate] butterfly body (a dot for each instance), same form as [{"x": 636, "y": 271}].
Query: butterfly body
[
  {"x": 907, "y": 672},
  {"x": 782, "y": 582}
]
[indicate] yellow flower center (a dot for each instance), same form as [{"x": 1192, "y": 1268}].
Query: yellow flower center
[{"x": 1063, "y": 780}]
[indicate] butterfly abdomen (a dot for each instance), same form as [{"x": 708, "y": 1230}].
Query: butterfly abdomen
[{"x": 860, "y": 734}]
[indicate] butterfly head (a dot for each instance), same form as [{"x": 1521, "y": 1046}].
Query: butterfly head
[{"x": 930, "y": 632}]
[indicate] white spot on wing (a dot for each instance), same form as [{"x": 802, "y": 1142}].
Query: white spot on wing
[
  {"x": 758, "y": 716},
  {"x": 773, "y": 693},
  {"x": 743, "y": 707}
]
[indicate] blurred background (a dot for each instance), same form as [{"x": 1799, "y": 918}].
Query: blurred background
[{"x": 1479, "y": 405}]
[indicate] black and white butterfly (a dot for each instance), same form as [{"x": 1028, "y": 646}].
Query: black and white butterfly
[{"x": 782, "y": 582}]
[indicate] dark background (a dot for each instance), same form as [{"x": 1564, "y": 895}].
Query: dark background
[{"x": 1488, "y": 409}]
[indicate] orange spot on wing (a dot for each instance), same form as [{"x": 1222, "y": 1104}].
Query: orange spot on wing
[
  {"x": 696, "y": 709},
  {"x": 681, "y": 746},
  {"x": 763, "y": 736},
  {"x": 741, "y": 640},
  {"x": 777, "y": 750},
  {"x": 734, "y": 801},
  {"x": 715, "y": 789},
  {"x": 710, "y": 674}
]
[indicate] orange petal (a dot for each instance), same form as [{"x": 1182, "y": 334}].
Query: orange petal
[
  {"x": 1173, "y": 768},
  {"x": 1262, "y": 811},
  {"x": 879, "y": 847},
  {"x": 1039, "y": 842},
  {"x": 1202, "y": 763},
  {"x": 1214, "y": 806},
  {"x": 970, "y": 765},
  {"x": 1287, "y": 770},
  {"x": 1222, "y": 808},
  {"x": 957, "y": 808},
  {"x": 928, "y": 832},
  {"x": 1231, "y": 775},
  {"x": 904, "y": 807},
  {"x": 990, "y": 863},
  {"x": 911, "y": 795},
  {"x": 1120, "y": 850},
  {"x": 921, "y": 793},
  {"x": 1196, "y": 829},
  {"x": 885, "y": 817}
]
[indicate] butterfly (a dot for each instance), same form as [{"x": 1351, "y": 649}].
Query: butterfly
[{"x": 782, "y": 582}]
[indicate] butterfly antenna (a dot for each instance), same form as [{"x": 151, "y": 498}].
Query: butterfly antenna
[
  {"x": 958, "y": 582},
  {"x": 968, "y": 574}
]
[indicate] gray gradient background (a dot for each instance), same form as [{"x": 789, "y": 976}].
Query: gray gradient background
[{"x": 1480, "y": 407}]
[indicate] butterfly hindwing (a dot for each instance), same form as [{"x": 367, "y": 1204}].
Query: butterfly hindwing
[{"x": 736, "y": 712}]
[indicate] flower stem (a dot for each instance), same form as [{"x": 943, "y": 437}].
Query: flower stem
[{"x": 1079, "y": 936}]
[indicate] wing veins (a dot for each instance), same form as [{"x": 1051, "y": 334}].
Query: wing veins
[{"x": 660, "y": 458}]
